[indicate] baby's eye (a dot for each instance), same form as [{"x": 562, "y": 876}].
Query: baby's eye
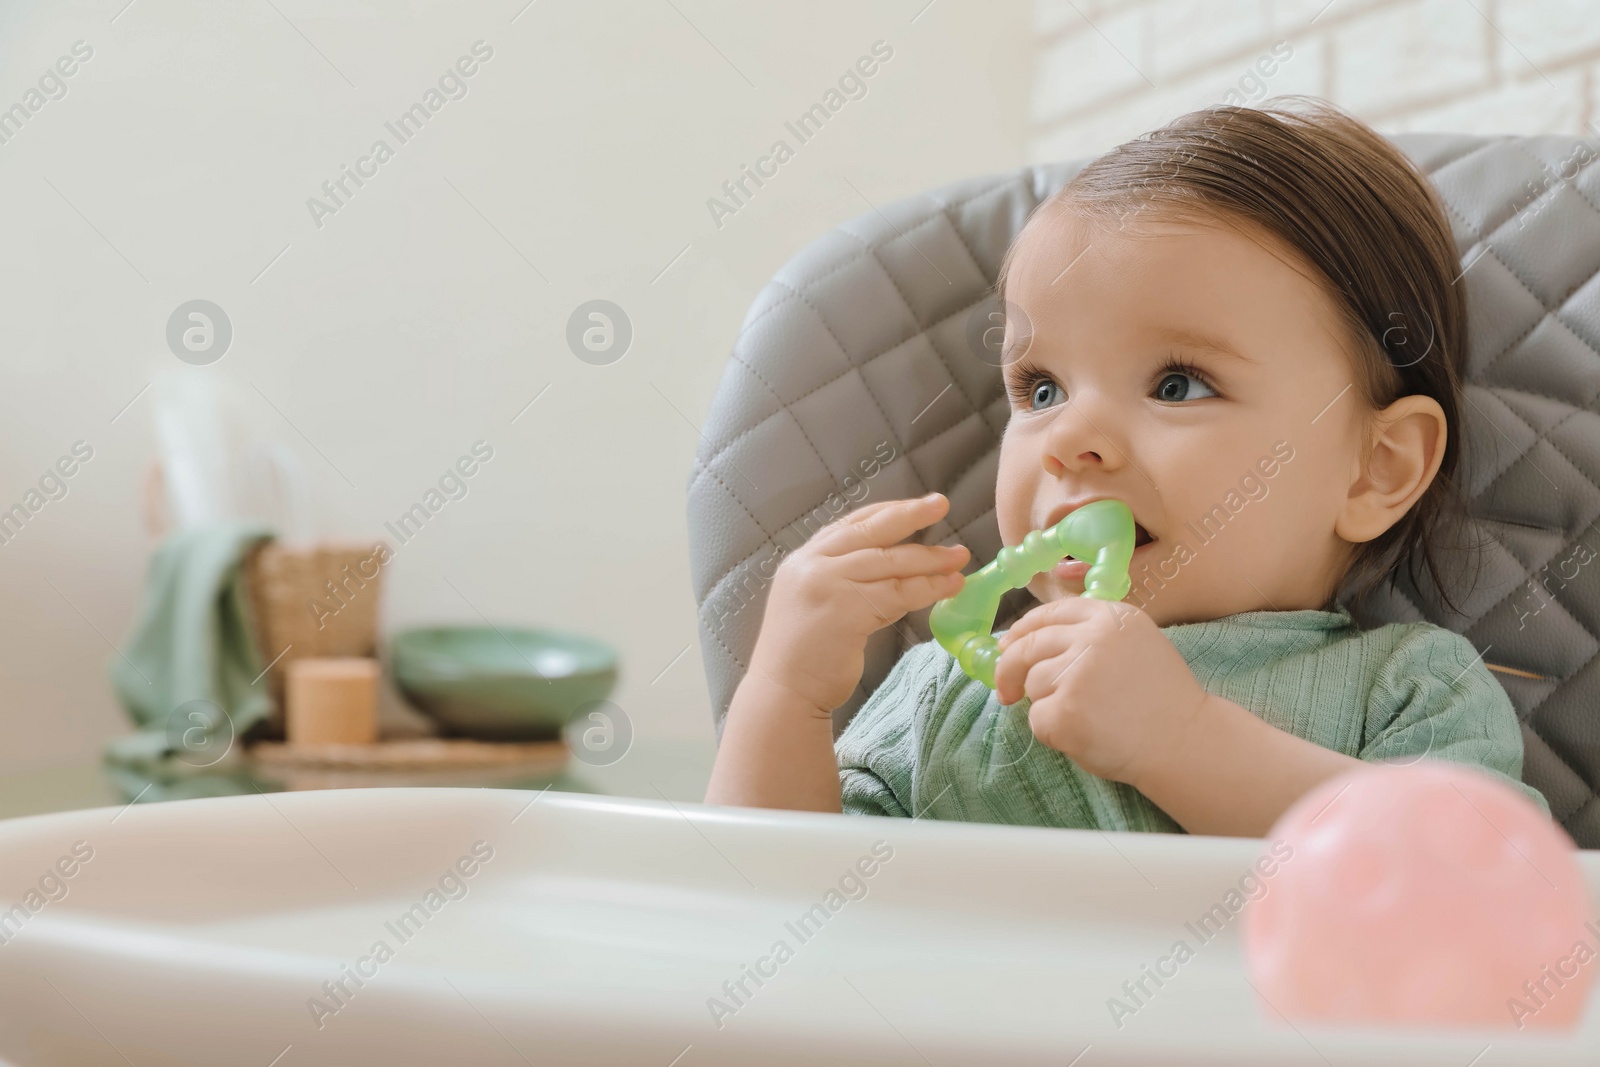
[
  {"x": 1044, "y": 394},
  {"x": 1180, "y": 386}
]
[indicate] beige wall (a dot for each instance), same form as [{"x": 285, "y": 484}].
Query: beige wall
[
  {"x": 1108, "y": 70},
  {"x": 415, "y": 320}
]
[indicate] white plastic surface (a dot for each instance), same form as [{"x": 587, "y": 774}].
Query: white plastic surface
[{"x": 600, "y": 930}]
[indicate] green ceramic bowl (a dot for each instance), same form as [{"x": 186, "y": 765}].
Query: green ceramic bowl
[{"x": 501, "y": 683}]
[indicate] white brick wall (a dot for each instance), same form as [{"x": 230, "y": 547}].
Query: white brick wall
[{"x": 1108, "y": 70}]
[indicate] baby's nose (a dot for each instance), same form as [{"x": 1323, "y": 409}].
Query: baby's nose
[{"x": 1076, "y": 442}]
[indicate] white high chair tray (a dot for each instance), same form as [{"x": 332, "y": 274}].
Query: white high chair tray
[{"x": 602, "y": 931}]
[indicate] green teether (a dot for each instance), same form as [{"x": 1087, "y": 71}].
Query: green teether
[{"x": 1101, "y": 533}]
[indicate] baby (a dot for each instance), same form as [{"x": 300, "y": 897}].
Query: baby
[{"x": 1246, "y": 326}]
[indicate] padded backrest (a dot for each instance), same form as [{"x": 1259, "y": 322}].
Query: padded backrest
[{"x": 861, "y": 373}]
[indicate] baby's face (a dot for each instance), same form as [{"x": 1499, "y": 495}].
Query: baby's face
[{"x": 1199, "y": 375}]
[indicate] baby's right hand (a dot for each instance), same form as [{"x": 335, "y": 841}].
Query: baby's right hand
[{"x": 849, "y": 581}]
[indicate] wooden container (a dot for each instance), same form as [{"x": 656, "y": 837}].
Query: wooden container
[
  {"x": 312, "y": 603},
  {"x": 332, "y": 701}
]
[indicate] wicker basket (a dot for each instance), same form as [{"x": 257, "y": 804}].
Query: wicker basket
[{"x": 308, "y": 602}]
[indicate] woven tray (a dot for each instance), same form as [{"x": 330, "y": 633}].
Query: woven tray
[
  {"x": 428, "y": 753},
  {"x": 421, "y": 762}
]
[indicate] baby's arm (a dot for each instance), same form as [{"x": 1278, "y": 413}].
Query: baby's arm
[
  {"x": 1108, "y": 689},
  {"x": 849, "y": 581},
  {"x": 1229, "y": 773},
  {"x": 1432, "y": 698},
  {"x": 776, "y": 750}
]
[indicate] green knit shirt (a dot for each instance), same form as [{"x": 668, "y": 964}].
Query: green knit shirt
[{"x": 931, "y": 742}]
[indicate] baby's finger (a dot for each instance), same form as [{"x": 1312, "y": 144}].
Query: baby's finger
[
  {"x": 903, "y": 561},
  {"x": 1061, "y": 612},
  {"x": 891, "y": 599},
  {"x": 879, "y": 527},
  {"x": 1047, "y": 675},
  {"x": 849, "y": 518},
  {"x": 863, "y": 512},
  {"x": 1019, "y": 657}
]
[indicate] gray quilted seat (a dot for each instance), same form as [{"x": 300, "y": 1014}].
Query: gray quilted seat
[{"x": 860, "y": 374}]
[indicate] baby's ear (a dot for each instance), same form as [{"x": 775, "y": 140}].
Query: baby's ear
[{"x": 1406, "y": 447}]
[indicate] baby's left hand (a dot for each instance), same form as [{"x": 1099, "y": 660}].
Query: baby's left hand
[{"x": 1108, "y": 687}]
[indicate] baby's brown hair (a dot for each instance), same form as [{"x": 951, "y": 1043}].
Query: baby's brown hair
[{"x": 1350, "y": 204}]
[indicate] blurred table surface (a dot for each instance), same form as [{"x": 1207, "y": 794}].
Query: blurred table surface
[{"x": 676, "y": 769}]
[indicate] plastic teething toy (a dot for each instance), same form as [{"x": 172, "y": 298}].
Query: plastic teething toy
[
  {"x": 1100, "y": 533},
  {"x": 1424, "y": 895}
]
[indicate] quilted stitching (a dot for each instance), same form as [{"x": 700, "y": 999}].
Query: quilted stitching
[
  {"x": 792, "y": 295},
  {"x": 1521, "y": 423}
]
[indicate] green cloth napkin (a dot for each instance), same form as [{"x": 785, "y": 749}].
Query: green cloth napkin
[{"x": 193, "y": 641}]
